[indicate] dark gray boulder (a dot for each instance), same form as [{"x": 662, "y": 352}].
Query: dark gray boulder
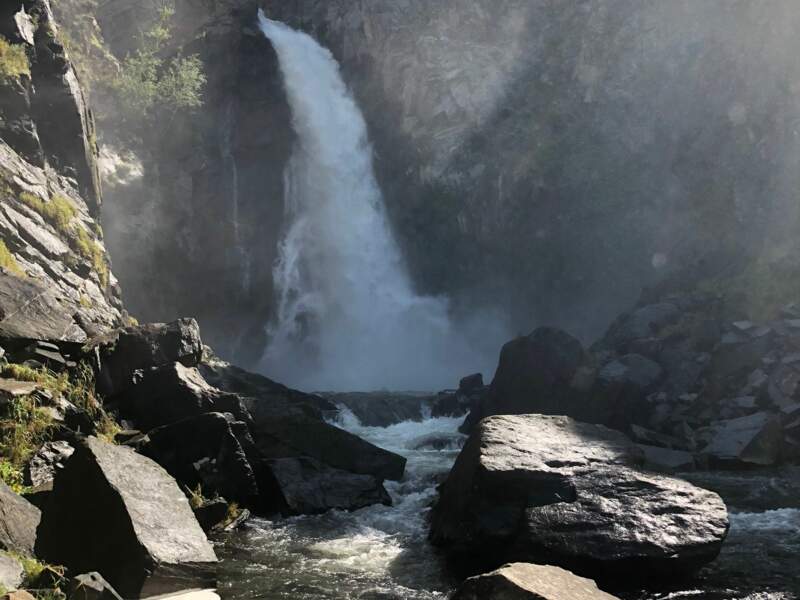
[
  {"x": 641, "y": 323},
  {"x": 381, "y": 409},
  {"x": 19, "y": 520},
  {"x": 306, "y": 486},
  {"x": 50, "y": 458},
  {"x": 754, "y": 440},
  {"x": 277, "y": 437},
  {"x": 12, "y": 573},
  {"x": 119, "y": 513},
  {"x": 206, "y": 450},
  {"x": 536, "y": 374},
  {"x": 633, "y": 370},
  {"x": 91, "y": 586},
  {"x": 547, "y": 488},
  {"x": 527, "y": 581},
  {"x": 173, "y": 392},
  {"x": 143, "y": 347}
]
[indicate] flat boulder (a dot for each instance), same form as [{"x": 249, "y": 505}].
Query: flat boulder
[
  {"x": 754, "y": 440},
  {"x": 526, "y": 581},
  {"x": 289, "y": 437},
  {"x": 119, "y": 513},
  {"x": 306, "y": 486},
  {"x": 18, "y": 522},
  {"x": 548, "y": 488}
]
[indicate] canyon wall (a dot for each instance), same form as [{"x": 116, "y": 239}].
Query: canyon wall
[{"x": 543, "y": 158}]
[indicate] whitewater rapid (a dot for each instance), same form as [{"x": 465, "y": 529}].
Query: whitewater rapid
[{"x": 347, "y": 316}]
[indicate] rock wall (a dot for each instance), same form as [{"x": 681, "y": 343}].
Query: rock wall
[
  {"x": 544, "y": 158},
  {"x": 55, "y": 281}
]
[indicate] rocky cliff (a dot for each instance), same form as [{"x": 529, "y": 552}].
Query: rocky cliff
[
  {"x": 549, "y": 158},
  {"x": 56, "y": 282}
]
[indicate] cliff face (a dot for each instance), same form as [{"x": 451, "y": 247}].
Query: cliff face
[
  {"x": 564, "y": 154},
  {"x": 55, "y": 281},
  {"x": 545, "y": 158}
]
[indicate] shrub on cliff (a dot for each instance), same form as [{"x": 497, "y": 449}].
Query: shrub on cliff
[{"x": 13, "y": 60}]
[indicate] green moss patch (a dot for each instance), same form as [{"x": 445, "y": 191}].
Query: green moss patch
[
  {"x": 8, "y": 262},
  {"x": 13, "y": 60}
]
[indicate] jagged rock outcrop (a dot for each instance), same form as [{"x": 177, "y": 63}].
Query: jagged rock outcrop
[
  {"x": 19, "y": 520},
  {"x": 526, "y": 581},
  {"x": 55, "y": 282},
  {"x": 549, "y": 489},
  {"x": 138, "y": 529}
]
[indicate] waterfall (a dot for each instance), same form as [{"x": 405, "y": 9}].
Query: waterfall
[
  {"x": 347, "y": 316},
  {"x": 241, "y": 256}
]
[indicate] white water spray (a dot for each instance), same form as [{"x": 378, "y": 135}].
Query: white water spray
[{"x": 347, "y": 315}]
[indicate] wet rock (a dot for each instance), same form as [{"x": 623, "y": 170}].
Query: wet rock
[
  {"x": 783, "y": 388},
  {"x": 547, "y": 488},
  {"x": 11, "y": 572},
  {"x": 664, "y": 459},
  {"x": 736, "y": 355},
  {"x": 171, "y": 393},
  {"x": 19, "y": 520},
  {"x": 654, "y": 438},
  {"x": 381, "y": 409},
  {"x": 49, "y": 459},
  {"x": 138, "y": 528},
  {"x": 277, "y": 437},
  {"x": 91, "y": 586},
  {"x": 526, "y": 581},
  {"x": 144, "y": 347},
  {"x": 211, "y": 513},
  {"x": 754, "y": 440},
  {"x": 306, "y": 486},
  {"x": 205, "y": 451}
]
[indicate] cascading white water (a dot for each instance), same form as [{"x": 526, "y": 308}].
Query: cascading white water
[{"x": 347, "y": 315}]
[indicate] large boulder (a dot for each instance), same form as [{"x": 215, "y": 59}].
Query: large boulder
[
  {"x": 18, "y": 522},
  {"x": 306, "y": 486},
  {"x": 754, "y": 440},
  {"x": 12, "y": 573},
  {"x": 526, "y": 581},
  {"x": 207, "y": 450},
  {"x": 381, "y": 409},
  {"x": 173, "y": 392},
  {"x": 536, "y": 374},
  {"x": 119, "y": 513},
  {"x": 143, "y": 347},
  {"x": 291, "y": 437},
  {"x": 547, "y": 488}
]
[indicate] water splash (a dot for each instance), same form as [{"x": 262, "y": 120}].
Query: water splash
[{"x": 347, "y": 315}]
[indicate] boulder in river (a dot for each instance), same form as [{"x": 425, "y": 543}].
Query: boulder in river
[
  {"x": 526, "y": 581},
  {"x": 381, "y": 409},
  {"x": 754, "y": 440},
  {"x": 547, "y": 488},
  {"x": 119, "y": 513},
  {"x": 306, "y": 486},
  {"x": 206, "y": 451},
  {"x": 18, "y": 522}
]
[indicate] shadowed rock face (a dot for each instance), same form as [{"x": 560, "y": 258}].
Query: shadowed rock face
[
  {"x": 120, "y": 513},
  {"x": 540, "y": 488}
]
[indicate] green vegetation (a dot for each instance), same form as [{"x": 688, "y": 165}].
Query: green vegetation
[
  {"x": 34, "y": 569},
  {"x": 147, "y": 84},
  {"x": 13, "y": 60},
  {"x": 8, "y": 262},
  {"x": 25, "y": 425},
  {"x": 58, "y": 211}
]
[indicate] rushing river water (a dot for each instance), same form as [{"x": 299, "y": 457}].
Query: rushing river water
[{"x": 381, "y": 553}]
